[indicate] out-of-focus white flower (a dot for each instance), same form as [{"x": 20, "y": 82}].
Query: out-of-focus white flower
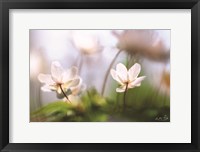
[
  {"x": 76, "y": 91},
  {"x": 127, "y": 78},
  {"x": 165, "y": 82},
  {"x": 87, "y": 43},
  {"x": 158, "y": 76},
  {"x": 143, "y": 43},
  {"x": 60, "y": 80}
]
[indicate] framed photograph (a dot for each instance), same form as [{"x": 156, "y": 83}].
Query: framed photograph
[{"x": 106, "y": 76}]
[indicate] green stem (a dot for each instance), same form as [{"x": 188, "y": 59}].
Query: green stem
[
  {"x": 108, "y": 71},
  {"x": 80, "y": 64},
  {"x": 124, "y": 103},
  {"x": 117, "y": 101},
  {"x": 64, "y": 93}
]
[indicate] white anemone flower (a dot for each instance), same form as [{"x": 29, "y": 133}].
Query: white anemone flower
[
  {"x": 127, "y": 78},
  {"x": 143, "y": 43},
  {"x": 76, "y": 91},
  {"x": 87, "y": 43},
  {"x": 60, "y": 80}
]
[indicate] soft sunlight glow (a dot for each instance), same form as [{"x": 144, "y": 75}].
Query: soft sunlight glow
[{"x": 35, "y": 64}]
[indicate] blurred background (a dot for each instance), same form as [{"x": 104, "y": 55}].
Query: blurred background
[{"x": 93, "y": 51}]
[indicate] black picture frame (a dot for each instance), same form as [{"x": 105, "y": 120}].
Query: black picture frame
[{"x": 5, "y": 5}]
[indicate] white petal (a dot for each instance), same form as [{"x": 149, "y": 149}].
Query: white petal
[
  {"x": 122, "y": 72},
  {"x": 138, "y": 85},
  {"x": 115, "y": 76},
  {"x": 78, "y": 86},
  {"x": 45, "y": 78},
  {"x": 121, "y": 89},
  {"x": 57, "y": 72},
  {"x": 75, "y": 82},
  {"x": 72, "y": 83},
  {"x": 133, "y": 86},
  {"x": 134, "y": 71},
  {"x": 78, "y": 90},
  {"x": 69, "y": 74},
  {"x": 47, "y": 88},
  {"x": 137, "y": 81}
]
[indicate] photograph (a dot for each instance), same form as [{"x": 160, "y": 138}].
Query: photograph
[{"x": 99, "y": 75}]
